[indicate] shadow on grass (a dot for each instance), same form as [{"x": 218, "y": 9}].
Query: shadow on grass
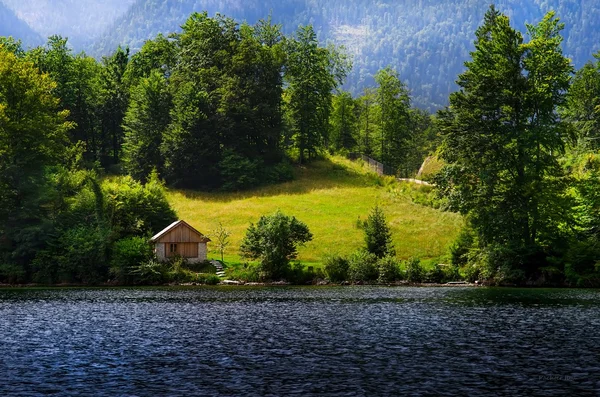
[{"x": 320, "y": 174}]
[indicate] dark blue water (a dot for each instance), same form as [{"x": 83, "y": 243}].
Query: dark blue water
[{"x": 304, "y": 341}]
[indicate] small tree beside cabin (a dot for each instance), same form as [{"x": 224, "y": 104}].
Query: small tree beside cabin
[{"x": 180, "y": 239}]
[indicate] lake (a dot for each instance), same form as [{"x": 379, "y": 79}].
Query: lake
[{"x": 299, "y": 340}]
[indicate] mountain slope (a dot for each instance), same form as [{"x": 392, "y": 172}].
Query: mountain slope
[
  {"x": 11, "y": 25},
  {"x": 79, "y": 20},
  {"x": 427, "y": 41}
]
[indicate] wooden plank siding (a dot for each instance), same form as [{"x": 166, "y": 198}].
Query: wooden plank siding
[
  {"x": 182, "y": 234},
  {"x": 186, "y": 250}
]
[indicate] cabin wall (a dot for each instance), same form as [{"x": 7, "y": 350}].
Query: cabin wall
[{"x": 159, "y": 250}]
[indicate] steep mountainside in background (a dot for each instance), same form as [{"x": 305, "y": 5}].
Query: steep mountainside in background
[
  {"x": 11, "y": 25},
  {"x": 427, "y": 41},
  {"x": 79, "y": 20}
]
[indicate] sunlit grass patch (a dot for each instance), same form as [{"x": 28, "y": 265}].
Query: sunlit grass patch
[{"x": 330, "y": 196}]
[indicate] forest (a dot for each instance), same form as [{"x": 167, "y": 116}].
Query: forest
[
  {"x": 87, "y": 146},
  {"x": 217, "y": 106}
]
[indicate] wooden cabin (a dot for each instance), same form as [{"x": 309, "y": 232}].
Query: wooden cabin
[{"x": 180, "y": 239}]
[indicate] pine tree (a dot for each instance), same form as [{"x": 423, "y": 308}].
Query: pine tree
[
  {"x": 502, "y": 135},
  {"x": 378, "y": 236}
]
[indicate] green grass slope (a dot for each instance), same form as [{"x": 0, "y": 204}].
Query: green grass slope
[{"x": 329, "y": 196}]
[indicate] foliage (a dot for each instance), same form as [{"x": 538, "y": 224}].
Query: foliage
[
  {"x": 362, "y": 267},
  {"x": 583, "y": 105},
  {"x": 336, "y": 268},
  {"x": 414, "y": 271},
  {"x": 151, "y": 272},
  {"x": 226, "y": 116},
  {"x": 344, "y": 123},
  {"x": 299, "y": 274},
  {"x": 79, "y": 255},
  {"x": 221, "y": 239},
  {"x": 274, "y": 241},
  {"x": 145, "y": 121},
  {"x": 311, "y": 73},
  {"x": 207, "y": 279},
  {"x": 32, "y": 138},
  {"x": 378, "y": 237},
  {"x": 388, "y": 268},
  {"x": 205, "y": 267},
  {"x": 246, "y": 273},
  {"x": 503, "y": 136},
  {"x": 459, "y": 250},
  {"x": 126, "y": 254},
  {"x": 136, "y": 209},
  {"x": 435, "y": 275}
]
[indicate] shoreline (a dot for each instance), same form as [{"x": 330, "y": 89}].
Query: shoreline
[{"x": 232, "y": 283}]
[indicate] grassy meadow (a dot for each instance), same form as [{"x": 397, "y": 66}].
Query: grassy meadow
[{"x": 330, "y": 196}]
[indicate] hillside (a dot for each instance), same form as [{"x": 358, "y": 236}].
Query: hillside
[
  {"x": 11, "y": 25},
  {"x": 427, "y": 41},
  {"x": 329, "y": 196},
  {"x": 79, "y": 20}
]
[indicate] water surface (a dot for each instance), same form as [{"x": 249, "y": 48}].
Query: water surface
[{"x": 304, "y": 341}]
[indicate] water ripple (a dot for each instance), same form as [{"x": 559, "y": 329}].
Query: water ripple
[{"x": 304, "y": 341}]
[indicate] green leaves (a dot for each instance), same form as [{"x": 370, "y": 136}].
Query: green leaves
[
  {"x": 311, "y": 72},
  {"x": 378, "y": 237},
  {"x": 274, "y": 241},
  {"x": 502, "y": 136}
]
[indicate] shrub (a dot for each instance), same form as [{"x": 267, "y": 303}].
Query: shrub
[
  {"x": 81, "y": 254},
  {"x": 126, "y": 254},
  {"x": 414, "y": 271},
  {"x": 459, "y": 250},
  {"x": 281, "y": 172},
  {"x": 582, "y": 263},
  {"x": 299, "y": 275},
  {"x": 12, "y": 273},
  {"x": 336, "y": 268},
  {"x": 151, "y": 272},
  {"x": 435, "y": 275},
  {"x": 178, "y": 272},
  {"x": 208, "y": 279},
  {"x": 362, "y": 267},
  {"x": 135, "y": 209},
  {"x": 200, "y": 267},
  {"x": 274, "y": 241},
  {"x": 246, "y": 273},
  {"x": 451, "y": 272},
  {"x": 238, "y": 172},
  {"x": 388, "y": 268}
]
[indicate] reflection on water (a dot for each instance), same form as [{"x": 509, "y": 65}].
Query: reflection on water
[{"x": 281, "y": 341}]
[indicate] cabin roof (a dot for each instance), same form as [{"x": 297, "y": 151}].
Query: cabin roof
[{"x": 174, "y": 225}]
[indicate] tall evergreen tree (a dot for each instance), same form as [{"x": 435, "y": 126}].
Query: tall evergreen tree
[
  {"x": 145, "y": 122},
  {"x": 114, "y": 102},
  {"x": 344, "y": 123},
  {"x": 312, "y": 72},
  {"x": 378, "y": 237},
  {"x": 502, "y": 135},
  {"x": 394, "y": 105}
]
